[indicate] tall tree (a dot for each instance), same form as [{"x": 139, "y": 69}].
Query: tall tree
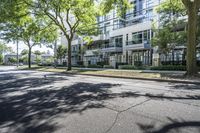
[
  {"x": 192, "y": 7},
  {"x": 32, "y": 31},
  {"x": 170, "y": 31},
  {"x": 171, "y": 12},
  {"x": 75, "y": 16},
  {"x": 70, "y": 16}
]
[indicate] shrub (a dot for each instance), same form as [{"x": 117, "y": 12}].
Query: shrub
[
  {"x": 127, "y": 67},
  {"x": 80, "y": 66},
  {"x": 138, "y": 63},
  {"x": 80, "y": 63},
  {"x": 102, "y": 63},
  {"x": 108, "y": 66},
  {"x": 130, "y": 67},
  {"x": 170, "y": 68},
  {"x": 120, "y": 64},
  {"x": 94, "y": 66}
]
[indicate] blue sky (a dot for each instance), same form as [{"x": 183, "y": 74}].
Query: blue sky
[{"x": 23, "y": 46}]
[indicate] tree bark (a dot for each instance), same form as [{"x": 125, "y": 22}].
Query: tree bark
[
  {"x": 29, "y": 57},
  {"x": 191, "y": 42},
  {"x": 69, "y": 64}
]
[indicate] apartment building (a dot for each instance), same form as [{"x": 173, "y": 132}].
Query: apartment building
[{"x": 124, "y": 40}]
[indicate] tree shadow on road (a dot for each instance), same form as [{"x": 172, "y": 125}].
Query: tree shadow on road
[
  {"x": 173, "y": 126},
  {"x": 190, "y": 87},
  {"x": 33, "y": 110}
]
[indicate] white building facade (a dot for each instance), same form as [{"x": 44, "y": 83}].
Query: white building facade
[{"x": 123, "y": 40}]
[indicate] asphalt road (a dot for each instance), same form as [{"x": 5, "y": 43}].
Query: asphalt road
[{"x": 43, "y": 102}]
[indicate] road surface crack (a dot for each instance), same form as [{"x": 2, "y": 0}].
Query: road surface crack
[{"x": 119, "y": 112}]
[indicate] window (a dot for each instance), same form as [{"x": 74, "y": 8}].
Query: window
[
  {"x": 118, "y": 24},
  {"x": 138, "y": 7},
  {"x": 116, "y": 41},
  {"x": 115, "y": 24},
  {"x": 141, "y": 37},
  {"x": 107, "y": 27},
  {"x": 145, "y": 34},
  {"x": 137, "y": 38}
]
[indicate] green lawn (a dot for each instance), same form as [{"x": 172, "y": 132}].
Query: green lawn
[{"x": 111, "y": 72}]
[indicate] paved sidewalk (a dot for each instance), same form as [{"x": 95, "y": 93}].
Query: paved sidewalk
[{"x": 143, "y": 71}]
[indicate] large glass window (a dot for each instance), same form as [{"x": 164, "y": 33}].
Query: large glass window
[
  {"x": 141, "y": 37},
  {"x": 137, "y": 38},
  {"x": 138, "y": 7},
  {"x": 116, "y": 41}
]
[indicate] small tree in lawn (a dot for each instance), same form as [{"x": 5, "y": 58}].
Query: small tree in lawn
[
  {"x": 61, "y": 52},
  {"x": 37, "y": 54}
]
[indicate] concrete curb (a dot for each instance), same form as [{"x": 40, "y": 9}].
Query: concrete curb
[{"x": 147, "y": 79}]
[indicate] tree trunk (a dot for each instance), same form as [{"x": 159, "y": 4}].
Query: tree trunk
[
  {"x": 29, "y": 58},
  {"x": 69, "y": 67},
  {"x": 191, "y": 43}
]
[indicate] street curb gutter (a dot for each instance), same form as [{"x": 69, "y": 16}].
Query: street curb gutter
[
  {"x": 122, "y": 77},
  {"x": 147, "y": 79}
]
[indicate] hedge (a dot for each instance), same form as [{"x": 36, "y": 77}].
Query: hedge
[
  {"x": 94, "y": 66},
  {"x": 108, "y": 66},
  {"x": 130, "y": 67},
  {"x": 170, "y": 68}
]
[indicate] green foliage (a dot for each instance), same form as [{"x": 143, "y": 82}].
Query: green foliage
[
  {"x": 170, "y": 68},
  {"x": 94, "y": 66},
  {"x": 38, "y": 60},
  {"x": 108, "y": 67},
  {"x": 4, "y": 48},
  {"x": 24, "y": 52},
  {"x": 120, "y": 5},
  {"x": 131, "y": 67},
  {"x": 170, "y": 9},
  {"x": 171, "y": 30},
  {"x": 20, "y": 25},
  {"x": 37, "y": 52},
  {"x": 1, "y": 59},
  {"x": 12, "y": 60},
  {"x": 61, "y": 51},
  {"x": 49, "y": 61},
  {"x": 12, "y": 9},
  {"x": 171, "y": 12},
  {"x": 70, "y": 16},
  {"x": 102, "y": 63},
  {"x": 24, "y": 59}
]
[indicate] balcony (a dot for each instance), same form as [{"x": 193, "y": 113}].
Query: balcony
[
  {"x": 131, "y": 45},
  {"x": 112, "y": 48},
  {"x": 74, "y": 53},
  {"x": 105, "y": 36},
  {"x": 92, "y": 52}
]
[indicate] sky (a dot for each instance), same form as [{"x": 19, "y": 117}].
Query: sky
[{"x": 22, "y": 46}]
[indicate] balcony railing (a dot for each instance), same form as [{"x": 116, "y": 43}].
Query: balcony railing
[
  {"x": 111, "y": 47},
  {"x": 138, "y": 44}
]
